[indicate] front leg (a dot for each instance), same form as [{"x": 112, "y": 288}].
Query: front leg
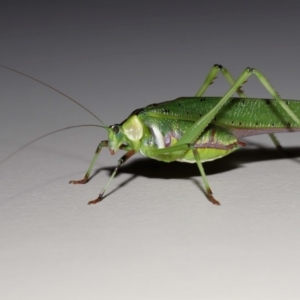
[
  {"x": 121, "y": 161},
  {"x": 87, "y": 174}
]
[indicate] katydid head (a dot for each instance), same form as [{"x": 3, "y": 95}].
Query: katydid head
[
  {"x": 115, "y": 138},
  {"x": 128, "y": 134}
]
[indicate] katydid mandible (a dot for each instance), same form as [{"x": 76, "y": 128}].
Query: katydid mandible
[{"x": 197, "y": 129}]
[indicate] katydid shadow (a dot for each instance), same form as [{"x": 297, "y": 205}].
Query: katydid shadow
[{"x": 150, "y": 168}]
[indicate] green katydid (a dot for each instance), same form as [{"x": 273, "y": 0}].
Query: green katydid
[{"x": 197, "y": 129}]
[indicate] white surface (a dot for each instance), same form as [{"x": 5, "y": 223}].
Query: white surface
[{"x": 151, "y": 238}]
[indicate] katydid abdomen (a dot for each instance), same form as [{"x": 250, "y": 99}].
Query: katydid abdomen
[{"x": 239, "y": 117}]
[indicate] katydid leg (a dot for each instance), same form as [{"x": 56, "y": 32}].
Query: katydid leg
[
  {"x": 88, "y": 173},
  {"x": 212, "y": 75},
  {"x": 204, "y": 178},
  {"x": 184, "y": 147},
  {"x": 264, "y": 81},
  {"x": 209, "y": 80},
  {"x": 242, "y": 95},
  {"x": 121, "y": 161},
  {"x": 198, "y": 127},
  {"x": 277, "y": 143}
]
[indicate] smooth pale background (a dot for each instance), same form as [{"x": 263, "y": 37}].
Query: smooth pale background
[{"x": 151, "y": 238}]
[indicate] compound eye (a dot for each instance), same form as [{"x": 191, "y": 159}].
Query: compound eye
[{"x": 115, "y": 129}]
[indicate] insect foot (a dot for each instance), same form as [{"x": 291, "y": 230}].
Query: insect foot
[
  {"x": 212, "y": 199},
  {"x": 81, "y": 181},
  {"x": 95, "y": 201}
]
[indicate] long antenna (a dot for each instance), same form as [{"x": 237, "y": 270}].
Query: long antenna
[
  {"x": 47, "y": 134},
  {"x": 54, "y": 89}
]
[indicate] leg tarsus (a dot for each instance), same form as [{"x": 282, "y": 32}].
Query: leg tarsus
[
  {"x": 94, "y": 201},
  {"x": 81, "y": 181},
  {"x": 213, "y": 200},
  {"x": 100, "y": 197}
]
